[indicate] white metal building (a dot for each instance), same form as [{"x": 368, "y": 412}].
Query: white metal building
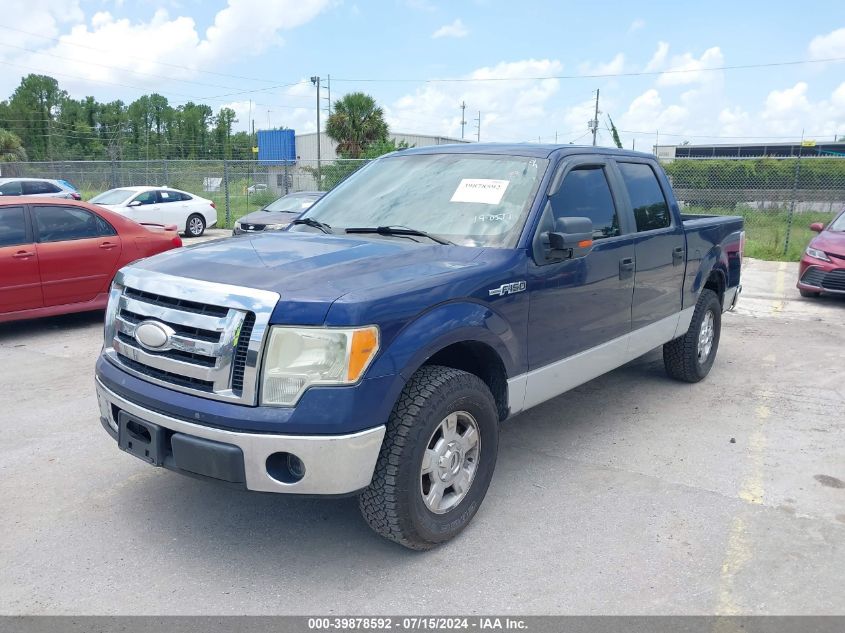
[{"x": 306, "y": 144}]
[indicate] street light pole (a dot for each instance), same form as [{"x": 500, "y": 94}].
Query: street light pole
[{"x": 316, "y": 81}]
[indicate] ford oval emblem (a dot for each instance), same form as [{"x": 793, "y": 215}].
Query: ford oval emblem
[{"x": 153, "y": 335}]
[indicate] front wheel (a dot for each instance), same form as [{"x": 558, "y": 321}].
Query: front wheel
[
  {"x": 195, "y": 226},
  {"x": 690, "y": 357},
  {"x": 436, "y": 461}
]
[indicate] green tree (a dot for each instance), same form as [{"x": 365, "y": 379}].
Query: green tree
[
  {"x": 11, "y": 148},
  {"x": 614, "y": 133},
  {"x": 32, "y": 109},
  {"x": 355, "y": 123}
]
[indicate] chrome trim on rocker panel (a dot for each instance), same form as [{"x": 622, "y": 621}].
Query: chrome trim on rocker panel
[
  {"x": 538, "y": 385},
  {"x": 189, "y": 355},
  {"x": 334, "y": 464}
]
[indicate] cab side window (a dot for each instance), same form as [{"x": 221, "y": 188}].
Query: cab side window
[
  {"x": 650, "y": 208},
  {"x": 586, "y": 193}
]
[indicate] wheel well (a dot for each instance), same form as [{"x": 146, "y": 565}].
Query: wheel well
[
  {"x": 716, "y": 283},
  {"x": 483, "y": 361}
]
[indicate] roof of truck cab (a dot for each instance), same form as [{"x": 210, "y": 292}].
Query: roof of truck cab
[{"x": 532, "y": 150}]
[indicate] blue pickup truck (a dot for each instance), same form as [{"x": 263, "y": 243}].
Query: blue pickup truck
[{"x": 375, "y": 346}]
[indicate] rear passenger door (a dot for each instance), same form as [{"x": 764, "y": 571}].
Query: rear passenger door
[
  {"x": 579, "y": 304},
  {"x": 40, "y": 188},
  {"x": 78, "y": 252},
  {"x": 660, "y": 245},
  {"x": 20, "y": 283},
  {"x": 174, "y": 209}
]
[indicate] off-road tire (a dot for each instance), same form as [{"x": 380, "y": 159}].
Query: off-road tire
[
  {"x": 680, "y": 356},
  {"x": 194, "y": 232},
  {"x": 393, "y": 504}
]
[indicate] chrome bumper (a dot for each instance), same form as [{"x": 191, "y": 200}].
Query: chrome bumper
[{"x": 334, "y": 464}]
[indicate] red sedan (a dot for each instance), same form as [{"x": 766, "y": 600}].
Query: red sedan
[
  {"x": 823, "y": 264},
  {"x": 60, "y": 256}
]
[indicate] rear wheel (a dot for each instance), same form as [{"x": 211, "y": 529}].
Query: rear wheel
[
  {"x": 690, "y": 357},
  {"x": 436, "y": 461},
  {"x": 195, "y": 226},
  {"x": 809, "y": 294}
]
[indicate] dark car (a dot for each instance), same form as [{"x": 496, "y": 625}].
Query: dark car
[
  {"x": 822, "y": 267},
  {"x": 277, "y": 214}
]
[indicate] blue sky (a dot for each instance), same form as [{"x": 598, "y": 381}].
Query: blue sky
[{"x": 231, "y": 52}]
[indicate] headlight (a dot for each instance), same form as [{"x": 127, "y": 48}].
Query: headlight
[
  {"x": 297, "y": 358},
  {"x": 111, "y": 313},
  {"x": 814, "y": 252}
]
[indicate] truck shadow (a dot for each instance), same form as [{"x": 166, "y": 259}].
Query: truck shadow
[
  {"x": 67, "y": 324},
  {"x": 225, "y": 528}
]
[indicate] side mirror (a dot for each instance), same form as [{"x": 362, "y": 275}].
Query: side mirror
[
  {"x": 818, "y": 227},
  {"x": 572, "y": 237},
  {"x": 134, "y": 203}
]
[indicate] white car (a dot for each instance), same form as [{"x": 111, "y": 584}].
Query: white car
[{"x": 161, "y": 205}]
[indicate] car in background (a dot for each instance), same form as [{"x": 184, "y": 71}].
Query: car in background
[
  {"x": 256, "y": 188},
  {"x": 38, "y": 187},
  {"x": 278, "y": 214},
  {"x": 161, "y": 205},
  {"x": 822, "y": 267},
  {"x": 60, "y": 256}
]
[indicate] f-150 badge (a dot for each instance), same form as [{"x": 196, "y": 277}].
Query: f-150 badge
[{"x": 508, "y": 289}]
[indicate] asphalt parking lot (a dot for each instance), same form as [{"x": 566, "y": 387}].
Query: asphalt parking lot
[{"x": 630, "y": 495}]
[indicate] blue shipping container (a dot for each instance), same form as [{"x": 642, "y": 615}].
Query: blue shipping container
[{"x": 276, "y": 145}]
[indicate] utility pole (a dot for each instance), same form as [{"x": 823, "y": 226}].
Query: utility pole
[
  {"x": 478, "y": 128},
  {"x": 463, "y": 118},
  {"x": 316, "y": 81},
  {"x": 594, "y": 123}
]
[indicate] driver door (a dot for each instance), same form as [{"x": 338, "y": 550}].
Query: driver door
[{"x": 145, "y": 207}]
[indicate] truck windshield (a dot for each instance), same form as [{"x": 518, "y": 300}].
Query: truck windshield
[{"x": 468, "y": 199}]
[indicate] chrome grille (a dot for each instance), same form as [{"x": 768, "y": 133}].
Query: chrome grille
[{"x": 215, "y": 333}]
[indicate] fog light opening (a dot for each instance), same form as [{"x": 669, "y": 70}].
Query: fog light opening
[{"x": 285, "y": 467}]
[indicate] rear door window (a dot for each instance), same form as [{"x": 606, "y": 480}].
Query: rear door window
[
  {"x": 650, "y": 208},
  {"x": 39, "y": 187},
  {"x": 59, "y": 224},
  {"x": 12, "y": 226},
  {"x": 586, "y": 193}
]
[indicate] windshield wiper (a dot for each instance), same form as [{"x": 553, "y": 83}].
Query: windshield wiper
[
  {"x": 399, "y": 230},
  {"x": 325, "y": 228}
]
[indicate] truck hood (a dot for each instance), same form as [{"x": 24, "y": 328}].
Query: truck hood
[{"x": 311, "y": 271}]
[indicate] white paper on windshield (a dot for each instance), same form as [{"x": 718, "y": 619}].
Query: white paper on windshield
[{"x": 483, "y": 190}]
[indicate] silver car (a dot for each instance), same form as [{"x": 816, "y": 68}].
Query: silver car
[
  {"x": 38, "y": 187},
  {"x": 278, "y": 214}
]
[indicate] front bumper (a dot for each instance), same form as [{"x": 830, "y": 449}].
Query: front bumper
[
  {"x": 818, "y": 276},
  {"x": 334, "y": 464}
]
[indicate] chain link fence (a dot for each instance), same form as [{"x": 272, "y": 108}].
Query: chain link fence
[{"x": 778, "y": 197}]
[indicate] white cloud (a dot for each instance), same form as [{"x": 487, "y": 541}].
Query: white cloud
[
  {"x": 510, "y": 110},
  {"x": 44, "y": 17},
  {"x": 658, "y": 60},
  {"x": 711, "y": 58},
  {"x": 827, "y": 46},
  {"x": 615, "y": 65},
  {"x": 97, "y": 51},
  {"x": 455, "y": 29},
  {"x": 636, "y": 25}
]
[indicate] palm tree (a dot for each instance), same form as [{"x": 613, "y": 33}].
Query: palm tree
[
  {"x": 11, "y": 149},
  {"x": 355, "y": 123}
]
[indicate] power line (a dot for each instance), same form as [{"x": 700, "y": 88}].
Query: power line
[{"x": 644, "y": 73}]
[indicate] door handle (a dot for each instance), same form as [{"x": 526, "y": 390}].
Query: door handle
[
  {"x": 626, "y": 267},
  {"x": 678, "y": 255},
  {"x": 107, "y": 245},
  {"x": 23, "y": 255}
]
